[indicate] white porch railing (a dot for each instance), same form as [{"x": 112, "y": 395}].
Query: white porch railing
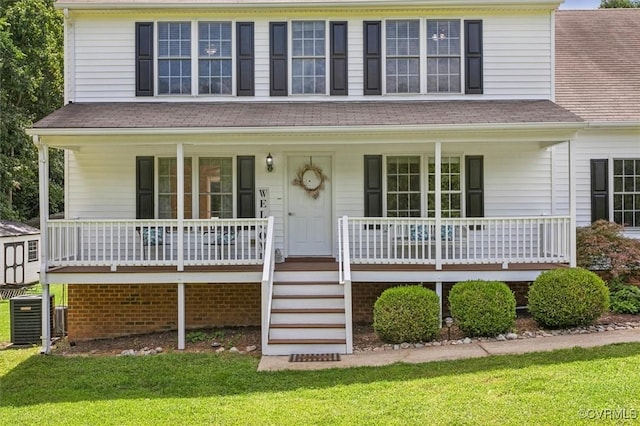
[
  {"x": 505, "y": 240},
  {"x": 155, "y": 242}
]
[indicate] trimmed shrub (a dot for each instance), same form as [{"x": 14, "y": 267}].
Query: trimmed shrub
[
  {"x": 407, "y": 314},
  {"x": 567, "y": 298},
  {"x": 483, "y": 308}
]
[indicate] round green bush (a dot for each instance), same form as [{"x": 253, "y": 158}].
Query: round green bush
[
  {"x": 483, "y": 308},
  {"x": 567, "y": 298},
  {"x": 407, "y": 314}
]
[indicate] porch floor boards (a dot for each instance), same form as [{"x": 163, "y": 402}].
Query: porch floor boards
[{"x": 308, "y": 264}]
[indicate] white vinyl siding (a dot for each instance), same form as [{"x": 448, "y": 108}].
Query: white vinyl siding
[{"x": 517, "y": 56}]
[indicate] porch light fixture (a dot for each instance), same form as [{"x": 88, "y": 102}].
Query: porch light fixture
[
  {"x": 448, "y": 321},
  {"x": 269, "y": 160},
  {"x": 211, "y": 51}
]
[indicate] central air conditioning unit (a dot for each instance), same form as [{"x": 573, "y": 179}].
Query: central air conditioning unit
[{"x": 26, "y": 319}]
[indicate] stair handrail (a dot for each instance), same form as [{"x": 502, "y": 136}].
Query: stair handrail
[{"x": 268, "y": 269}]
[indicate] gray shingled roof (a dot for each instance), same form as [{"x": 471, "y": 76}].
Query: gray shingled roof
[
  {"x": 300, "y": 114},
  {"x": 598, "y": 63},
  {"x": 15, "y": 229}
]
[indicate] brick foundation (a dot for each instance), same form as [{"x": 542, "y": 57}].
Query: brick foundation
[{"x": 100, "y": 311}]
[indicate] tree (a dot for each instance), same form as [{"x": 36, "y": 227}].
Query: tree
[
  {"x": 614, "y": 4},
  {"x": 31, "y": 86}
]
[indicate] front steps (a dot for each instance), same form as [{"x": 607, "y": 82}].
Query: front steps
[{"x": 307, "y": 318}]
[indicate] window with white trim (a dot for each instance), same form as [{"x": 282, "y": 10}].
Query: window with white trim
[
  {"x": 443, "y": 56},
  {"x": 308, "y": 57},
  {"x": 450, "y": 187},
  {"x": 32, "y": 250},
  {"x": 215, "y": 187},
  {"x": 215, "y": 63},
  {"x": 174, "y": 58},
  {"x": 403, "y": 186},
  {"x": 402, "y": 56},
  {"x": 626, "y": 192},
  {"x": 168, "y": 188}
]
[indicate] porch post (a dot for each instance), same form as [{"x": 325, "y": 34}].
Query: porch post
[
  {"x": 43, "y": 163},
  {"x": 181, "y": 316},
  {"x": 439, "y": 293},
  {"x": 180, "y": 202},
  {"x": 438, "y": 200},
  {"x": 572, "y": 203}
]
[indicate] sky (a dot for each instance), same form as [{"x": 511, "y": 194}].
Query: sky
[{"x": 580, "y": 4}]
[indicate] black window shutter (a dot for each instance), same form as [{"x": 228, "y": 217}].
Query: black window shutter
[
  {"x": 473, "y": 57},
  {"x": 338, "y": 60},
  {"x": 372, "y": 58},
  {"x": 246, "y": 186},
  {"x": 278, "y": 58},
  {"x": 474, "y": 183},
  {"x": 373, "y": 185},
  {"x": 599, "y": 189},
  {"x": 144, "y": 188},
  {"x": 245, "y": 59},
  {"x": 144, "y": 58}
]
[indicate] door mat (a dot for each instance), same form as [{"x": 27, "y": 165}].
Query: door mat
[{"x": 314, "y": 357}]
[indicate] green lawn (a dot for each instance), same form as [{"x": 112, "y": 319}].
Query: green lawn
[
  {"x": 5, "y": 326},
  {"x": 563, "y": 387}
]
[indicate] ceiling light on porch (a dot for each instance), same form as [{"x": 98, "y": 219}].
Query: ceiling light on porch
[
  {"x": 269, "y": 161},
  {"x": 211, "y": 51}
]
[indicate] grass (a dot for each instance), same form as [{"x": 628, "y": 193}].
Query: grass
[
  {"x": 5, "y": 325},
  {"x": 538, "y": 388}
]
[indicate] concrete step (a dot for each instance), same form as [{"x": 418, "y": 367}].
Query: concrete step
[{"x": 282, "y": 348}]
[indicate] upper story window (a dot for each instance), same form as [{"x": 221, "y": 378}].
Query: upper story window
[
  {"x": 215, "y": 58},
  {"x": 174, "y": 58},
  {"x": 443, "y": 56},
  {"x": 308, "y": 57},
  {"x": 403, "y": 56}
]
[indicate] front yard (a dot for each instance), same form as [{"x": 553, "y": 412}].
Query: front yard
[{"x": 563, "y": 387}]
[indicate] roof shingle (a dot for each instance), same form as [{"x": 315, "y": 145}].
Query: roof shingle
[
  {"x": 598, "y": 63},
  {"x": 300, "y": 114}
]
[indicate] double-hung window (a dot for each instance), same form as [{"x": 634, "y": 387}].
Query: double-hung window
[
  {"x": 403, "y": 186},
  {"x": 168, "y": 188},
  {"x": 32, "y": 250},
  {"x": 450, "y": 187},
  {"x": 403, "y": 56},
  {"x": 443, "y": 56},
  {"x": 626, "y": 192},
  {"x": 174, "y": 58},
  {"x": 308, "y": 57},
  {"x": 214, "y": 58},
  {"x": 215, "y": 187}
]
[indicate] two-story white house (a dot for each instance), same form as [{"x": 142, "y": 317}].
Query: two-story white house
[{"x": 365, "y": 143}]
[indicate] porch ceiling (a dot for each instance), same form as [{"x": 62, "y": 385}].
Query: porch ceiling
[{"x": 159, "y": 117}]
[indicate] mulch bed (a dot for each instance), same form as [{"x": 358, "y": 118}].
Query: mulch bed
[{"x": 211, "y": 340}]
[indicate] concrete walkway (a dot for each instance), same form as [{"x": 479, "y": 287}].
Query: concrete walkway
[{"x": 451, "y": 352}]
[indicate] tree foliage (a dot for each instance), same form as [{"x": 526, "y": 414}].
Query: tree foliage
[
  {"x": 31, "y": 86},
  {"x": 615, "y": 4}
]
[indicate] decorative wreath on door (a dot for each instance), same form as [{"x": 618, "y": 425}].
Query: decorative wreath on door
[{"x": 310, "y": 178}]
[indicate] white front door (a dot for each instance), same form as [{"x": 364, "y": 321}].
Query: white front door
[{"x": 309, "y": 206}]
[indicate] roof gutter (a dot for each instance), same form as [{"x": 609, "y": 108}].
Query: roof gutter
[
  {"x": 622, "y": 125},
  {"x": 238, "y": 4},
  {"x": 574, "y": 126}
]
